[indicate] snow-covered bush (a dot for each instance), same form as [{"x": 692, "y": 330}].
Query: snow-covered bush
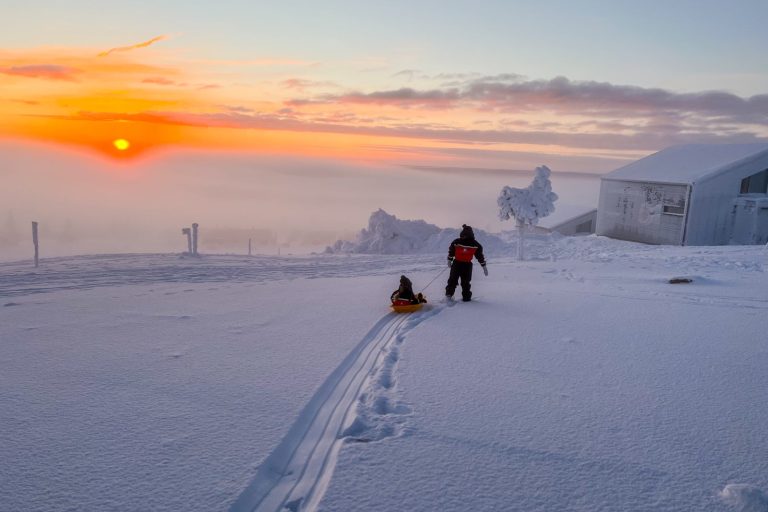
[{"x": 528, "y": 205}]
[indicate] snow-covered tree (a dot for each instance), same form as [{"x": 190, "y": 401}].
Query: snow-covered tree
[{"x": 528, "y": 205}]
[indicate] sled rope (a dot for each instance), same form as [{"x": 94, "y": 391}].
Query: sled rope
[{"x": 433, "y": 279}]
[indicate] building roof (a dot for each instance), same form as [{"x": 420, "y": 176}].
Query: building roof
[
  {"x": 687, "y": 163},
  {"x": 563, "y": 214}
]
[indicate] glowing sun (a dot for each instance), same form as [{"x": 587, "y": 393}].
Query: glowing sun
[{"x": 121, "y": 144}]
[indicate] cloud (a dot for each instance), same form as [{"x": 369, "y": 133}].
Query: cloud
[
  {"x": 237, "y": 108},
  {"x": 161, "y": 81},
  {"x": 500, "y": 78},
  {"x": 266, "y": 62},
  {"x": 301, "y": 84},
  {"x": 409, "y": 74},
  {"x": 639, "y": 141},
  {"x": 509, "y": 93},
  {"x": 562, "y": 94},
  {"x": 134, "y": 46},
  {"x": 501, "y": 172},
  {"x": 44, "y": 71},
  {"x": 405, "y": 97},
  {"x": 168, "y": 82}
]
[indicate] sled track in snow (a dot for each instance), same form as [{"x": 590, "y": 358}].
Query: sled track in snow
[{"x": 295, "y": 476}]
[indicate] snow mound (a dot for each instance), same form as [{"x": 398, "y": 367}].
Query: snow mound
[
  {"x": 745, "y": 497},
  {"x": 386, "y": 234}
]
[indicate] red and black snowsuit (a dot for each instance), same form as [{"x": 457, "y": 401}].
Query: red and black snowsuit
[{"x": 460, "y": 255}]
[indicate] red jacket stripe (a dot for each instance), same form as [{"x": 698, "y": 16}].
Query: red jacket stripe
[{"x": 464, "y": 253}]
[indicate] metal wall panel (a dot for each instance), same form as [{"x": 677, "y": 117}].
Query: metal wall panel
[{"x": 652, "y": 213}]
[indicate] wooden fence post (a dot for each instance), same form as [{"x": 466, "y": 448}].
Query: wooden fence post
[
  {"x": 188, "y": 232},
  {"x": 35, "y": 240},
  {"x": 194, "y": 238}
]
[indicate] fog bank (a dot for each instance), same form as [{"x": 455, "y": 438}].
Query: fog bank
[{"x": 86, "y": 204}]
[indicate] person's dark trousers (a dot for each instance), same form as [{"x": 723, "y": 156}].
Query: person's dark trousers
[{"x": 460, "y": 271}]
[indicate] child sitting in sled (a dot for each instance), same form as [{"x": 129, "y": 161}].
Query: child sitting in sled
[{"x": 404, "y": 295}]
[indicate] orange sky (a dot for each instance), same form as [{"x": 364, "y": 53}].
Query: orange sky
[{"x": 157, "y": 97}]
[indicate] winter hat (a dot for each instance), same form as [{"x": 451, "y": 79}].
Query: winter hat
[
  {"x": 404, "y": 281},
  {"x": 466, "y": 232}
]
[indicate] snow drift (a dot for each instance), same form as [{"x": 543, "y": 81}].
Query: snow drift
[
  {"x": 745, "y": 498},
  {"x": 386, "y": 234}
]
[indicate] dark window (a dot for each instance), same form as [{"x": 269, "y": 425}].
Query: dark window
[
  {"x": 744, "y": 186},
  {"x": 674, "y": 210},
  {"x": 755, "y": 184}
]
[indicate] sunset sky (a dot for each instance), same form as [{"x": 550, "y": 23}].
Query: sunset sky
[
  {"x": 440, "y": 82},
  {"x": 580, "y": 86}
]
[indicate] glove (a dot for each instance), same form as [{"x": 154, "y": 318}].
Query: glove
[
  {"x": 450, "y": 262},
  {"x": 485, "y": 270}
]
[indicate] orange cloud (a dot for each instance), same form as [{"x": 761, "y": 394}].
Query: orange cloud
[
  {"x": 45, "y": 71},
  {"x": 134, "y": 46},
  {"x": 160, "y": 81}
]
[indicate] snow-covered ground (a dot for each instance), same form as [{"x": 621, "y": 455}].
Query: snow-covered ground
[{"x": 578, "y": 380}]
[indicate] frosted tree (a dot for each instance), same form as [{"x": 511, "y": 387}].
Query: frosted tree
[{"x": 528, "y": 205}]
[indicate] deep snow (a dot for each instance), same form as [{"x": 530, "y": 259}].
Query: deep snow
[{"x": 579, "y": 380}]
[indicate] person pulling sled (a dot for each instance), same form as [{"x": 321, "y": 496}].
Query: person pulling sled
[{"x": 460, "y": 254}]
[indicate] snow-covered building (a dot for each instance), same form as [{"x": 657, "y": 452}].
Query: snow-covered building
[
  {"x": 695, "y": 194},
  {"x": 570, "y": 220}
]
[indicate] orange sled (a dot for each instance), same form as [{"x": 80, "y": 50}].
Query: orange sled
[{"x": 405, "y": 306}]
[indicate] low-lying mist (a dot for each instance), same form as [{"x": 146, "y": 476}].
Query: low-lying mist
[{"x": 86, "y": 204}]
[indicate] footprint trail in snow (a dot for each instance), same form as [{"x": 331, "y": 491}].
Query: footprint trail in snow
[{"x": 355, "y": 403}]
